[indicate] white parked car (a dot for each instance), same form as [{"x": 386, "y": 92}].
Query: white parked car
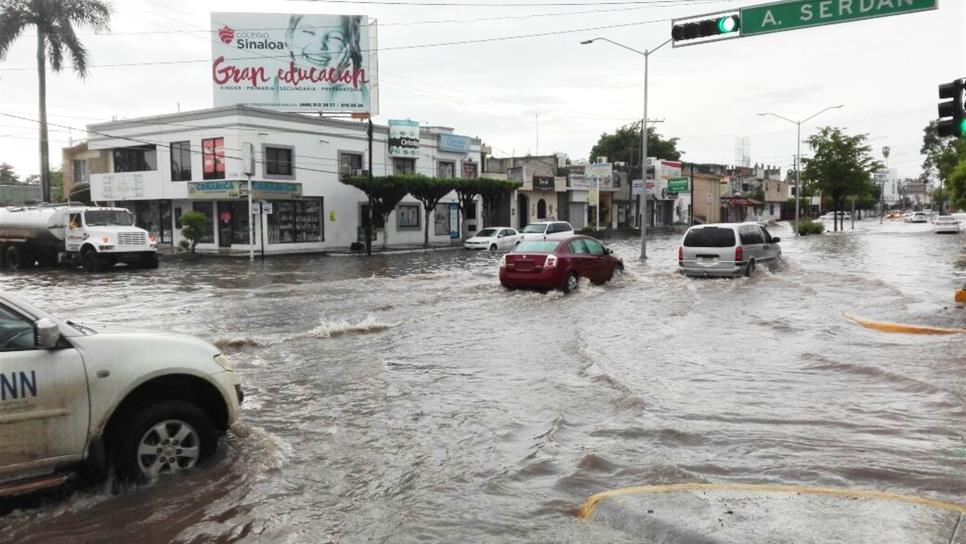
[
  {"x": 548, "y": 230},
  {"x": 917, "y": 217},
  {"x": 76, "y": 399},
  {"x": 830, "y": 216},
  {"x": 494, "y": 238},
  {"x": 946, "y": 224}
]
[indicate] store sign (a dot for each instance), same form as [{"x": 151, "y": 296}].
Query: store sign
[
  {"x": 543, "y": 183},
  {"x": 582, "y": 181},
  {"x": 593, "y": 197},
  {"x": 600, "y": 172},
  {"x": 678, "y": 185},
  {"x": 668, "y": 169},
  {"x": 404, "y": 138},
  {"x": 638, "y": 187},
  {"x": 231, "y": 190},
  {"x": 307, "y": 62},
  {"x": 452, "y": 143}
]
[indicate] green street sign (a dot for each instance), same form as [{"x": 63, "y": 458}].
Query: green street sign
[
  {"x": 677, "y": 185},
  {"x": 796, "y": 14}
]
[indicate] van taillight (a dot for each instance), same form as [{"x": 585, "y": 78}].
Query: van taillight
[
  {"x": 739, "y": 254},
  {"x": 551, "y": 262},
  {"x": 680, "y": 253}
]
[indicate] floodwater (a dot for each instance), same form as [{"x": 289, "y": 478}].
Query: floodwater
[{"x": 410, "y": 398}]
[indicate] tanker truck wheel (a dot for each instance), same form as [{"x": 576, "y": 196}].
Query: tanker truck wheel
[
  {"x": 92, "y": 261},
  {"x": 13, "y": 258}
]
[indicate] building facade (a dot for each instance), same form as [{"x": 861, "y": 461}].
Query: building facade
[{"x": 160, "y": 167}]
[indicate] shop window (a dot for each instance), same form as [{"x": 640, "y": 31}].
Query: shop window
[
  {"x": 470, "y": 170},
  {"x": 207, "y": 208},
  {"x": 278, "y": 161},
  {"x": 445, "y": 169},
  {"x": 180, "y": 161},
  {"x": 239, "y": 221},
  {"x": 296, "y": 221},
  {"x": 403, "y": 165},
  {"x": 469, "y": 211},
  {"x": 350, "y": 164},
  {"x": 136, "y": 159},
  {"x": 213, "y": 158},
  {"x": 407, "y": 216}
]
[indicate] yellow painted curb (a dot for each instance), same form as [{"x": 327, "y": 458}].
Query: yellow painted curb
[
  {"x": 885, "y": 326},
  {"x": 961, "y": 295},
  {"x": 586, "y": 510}
]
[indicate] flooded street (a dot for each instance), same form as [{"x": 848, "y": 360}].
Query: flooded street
[{"x": 410, "y": 398}]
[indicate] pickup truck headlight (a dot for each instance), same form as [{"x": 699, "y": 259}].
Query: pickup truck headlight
[{"x": 224, "y": 362}]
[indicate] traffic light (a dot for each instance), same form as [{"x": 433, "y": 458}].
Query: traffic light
[
  {"x": 706, "y": 28},
  {"x": 955, "y": 108}
]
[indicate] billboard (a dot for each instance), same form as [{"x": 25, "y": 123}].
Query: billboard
[
  {"x": 453, "y": 143},
  {"x": 291, "y": 62},
  {"x": 404, "y": 138}
]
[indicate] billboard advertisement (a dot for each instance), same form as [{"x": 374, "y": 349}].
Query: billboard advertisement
[
  {"x": 453, "y": 143},
  {"x": 291, "y": 62},
  {"x": 404, "y": 138}
]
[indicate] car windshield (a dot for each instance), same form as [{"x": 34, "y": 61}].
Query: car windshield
[
  {"x": 108, "y": 218},
  {"x": 486, "y": 233},
  {"x": 535, "y": 228},
  {"x": 710, "y": 237},
  {"x": 537, "y": 246}
]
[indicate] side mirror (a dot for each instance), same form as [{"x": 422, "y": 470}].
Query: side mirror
[
  {"x": 776, "y": 239},
  {"x": 47, "y": 333}
]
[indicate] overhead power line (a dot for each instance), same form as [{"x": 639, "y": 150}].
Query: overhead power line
[{"x": 509, "y": 5}]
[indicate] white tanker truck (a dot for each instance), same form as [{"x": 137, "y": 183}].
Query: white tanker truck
[{"x": 73, "y": 234}]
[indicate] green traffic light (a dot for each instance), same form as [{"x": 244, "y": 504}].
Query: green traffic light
[
  {"x": 962, "y": 128},
  {"x": 727, "y": 24}
]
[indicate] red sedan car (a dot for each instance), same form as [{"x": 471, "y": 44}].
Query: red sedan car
[{"x": 559, "y": 264}]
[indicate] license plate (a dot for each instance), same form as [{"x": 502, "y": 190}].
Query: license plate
[{"x": 706, "y": 259}]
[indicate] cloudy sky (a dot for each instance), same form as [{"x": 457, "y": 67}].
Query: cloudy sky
[{"x": 537, "y": 94}]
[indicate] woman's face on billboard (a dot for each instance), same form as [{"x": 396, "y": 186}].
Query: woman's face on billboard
[{"x": 319, "y": 43}]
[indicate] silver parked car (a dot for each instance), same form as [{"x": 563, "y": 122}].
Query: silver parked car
[{"x": 727, "y": 249}]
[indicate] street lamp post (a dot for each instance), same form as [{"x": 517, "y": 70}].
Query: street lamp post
[
  {"x": 885, "y": 153},
  {"x": 798, "y": 155},
  {"x": 643, "y": 202}
]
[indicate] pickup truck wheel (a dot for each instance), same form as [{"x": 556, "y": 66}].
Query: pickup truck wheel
[
  {"x": 164, "y": 438},
  {"x": 94, "y": 262}
]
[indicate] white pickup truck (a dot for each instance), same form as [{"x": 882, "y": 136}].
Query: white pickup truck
[{"x": 77, "y": 399}]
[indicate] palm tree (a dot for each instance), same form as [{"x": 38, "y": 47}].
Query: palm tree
[{"x": 54, "y": 21}]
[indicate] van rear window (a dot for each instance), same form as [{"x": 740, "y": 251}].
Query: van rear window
[{"x": 710, "y": 237}]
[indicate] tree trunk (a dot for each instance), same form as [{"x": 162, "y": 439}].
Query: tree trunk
[
  {"x": 42, "y": 93},
  {"x": 385, "y": 231},
  {"x": 426, "y": 231}
]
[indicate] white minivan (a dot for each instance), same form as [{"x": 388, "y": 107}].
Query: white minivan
[
  {"x": 547, "y": 230},
  {"x": 726, "y": 249}
]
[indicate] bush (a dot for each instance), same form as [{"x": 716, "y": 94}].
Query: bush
[
  {"x": 807, "y": 226},
  {"x": 193, "y": 226}
]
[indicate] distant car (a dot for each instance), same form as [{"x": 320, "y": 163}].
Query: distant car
[
  {"x": 917, "y": 217},
  {"x": 494, "y": 238},
  {"x": 843, "y": 216},
  {"x": 726, "y": 249},
  {"x": 547, "y": 230},
  {"x": 946, "y": 224},
  {"x": 559, "y": 264}
]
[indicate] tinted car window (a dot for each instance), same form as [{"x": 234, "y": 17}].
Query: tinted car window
[
  {"x": 767, "y": 234},
  {"x": 16, "y": 332},
  {"x": 537, "y": 246},
  {"x": 577, "y": 247},
  {"x": 594, "y": 247},
  {"x": 710, "y": 237},
  {"x": 535, "y": 229},
  {"x": 750, "y": 235},
  {"x": 486, "y": 233}
]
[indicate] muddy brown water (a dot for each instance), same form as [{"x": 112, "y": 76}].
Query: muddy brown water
[{"x": 409, "y": 398}]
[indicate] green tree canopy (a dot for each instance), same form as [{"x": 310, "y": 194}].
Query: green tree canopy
[
  {"x": 841, "y": 165},
  {"x": 429, "y": 191},
  {"x": 625, "y": 145},
  {"x": 943, "y": 156},
  {"x": 7, "y": 175}
]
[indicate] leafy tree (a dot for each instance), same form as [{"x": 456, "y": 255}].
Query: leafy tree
[
  {"x": 193, "y": 226},
  {"x": 841, "y": 165},
  {"x": 625, "y": 145},
  {"x": 54, "y": 22},
  {"x": 429, "y": 191},
  {"x": 467, "y": 189},
  {"x": 385, "y": 193},
  {"x": 943, "y": 155},
  {"x": 956, "y": 186},
  {"x": 7, "y": 175}
]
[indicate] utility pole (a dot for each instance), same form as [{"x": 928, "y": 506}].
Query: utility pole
[
  {"x": 369, "y": 193},
  {"x": 643, "y": 201},
  {"x": 885, "y": 153}
]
